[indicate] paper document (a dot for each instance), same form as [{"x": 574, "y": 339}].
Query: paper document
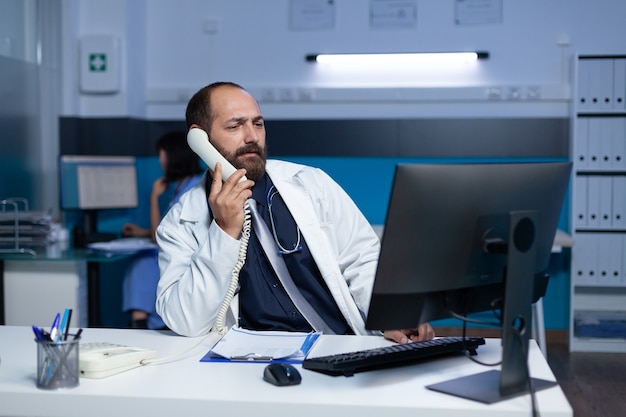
[
  {"x": 262, "y": 346},
  {"x": 124, "y": 245}
]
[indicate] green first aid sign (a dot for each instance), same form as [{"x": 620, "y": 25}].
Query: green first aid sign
[{"x": 97, "y": 62}]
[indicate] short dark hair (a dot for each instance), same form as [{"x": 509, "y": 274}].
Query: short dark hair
[
  {"x": 182, "y": 162},
  {"x": 199, "y": 110}
]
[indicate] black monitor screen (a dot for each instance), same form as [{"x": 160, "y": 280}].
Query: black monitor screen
[
  {"x": 97, "y": 182},
  {"x": 441, "y": 219}
]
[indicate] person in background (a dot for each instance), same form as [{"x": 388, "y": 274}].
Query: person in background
[
  {"x": 328, "y": 247},
  {"x": 182, "y": 171}
]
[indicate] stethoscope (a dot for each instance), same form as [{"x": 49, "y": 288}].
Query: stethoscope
[{"x": 281, "y": 250}]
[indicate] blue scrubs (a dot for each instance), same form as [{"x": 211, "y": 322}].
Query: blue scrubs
[
  {"x": 263, "y": 302},
  {"x": 142, "y": 275}
]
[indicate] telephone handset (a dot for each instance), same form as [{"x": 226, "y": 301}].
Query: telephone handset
[{"x": 198, "y": 141}]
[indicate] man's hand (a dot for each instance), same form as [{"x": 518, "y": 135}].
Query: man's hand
[
  {"x": 227, "y": 200},
  {"x": 423, "y": 332}
]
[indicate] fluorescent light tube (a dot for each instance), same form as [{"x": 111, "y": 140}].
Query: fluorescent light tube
[{"x": 398, "y": 59}]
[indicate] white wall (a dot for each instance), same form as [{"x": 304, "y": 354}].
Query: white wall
[
  {"x": 171, "y": 48},
  {"x": 124, "y": 20}
]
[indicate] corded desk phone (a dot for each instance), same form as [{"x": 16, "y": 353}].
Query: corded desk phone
[{"x": 102, "y": 359}]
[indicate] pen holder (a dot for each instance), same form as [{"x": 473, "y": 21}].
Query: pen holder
[{"x": 57, "y": 363}]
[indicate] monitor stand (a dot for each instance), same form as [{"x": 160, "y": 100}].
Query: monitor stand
[
  {"x": 91, "y": 228},
  {"x": 485, "y": 387},
  {"x": 513, "y": 380}
]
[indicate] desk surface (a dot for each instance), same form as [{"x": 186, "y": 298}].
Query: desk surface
[
  {"x": 63, "y": 253},
  {"x": 185, "y": 386}
]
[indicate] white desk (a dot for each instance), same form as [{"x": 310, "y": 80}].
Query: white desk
[{"x": 187, "y": 387}]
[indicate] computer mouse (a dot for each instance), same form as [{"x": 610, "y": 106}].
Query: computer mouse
[{"x": 281, "y": 374}]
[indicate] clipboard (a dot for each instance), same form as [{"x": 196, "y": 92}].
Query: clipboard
[{"x": 251, "y": 346}]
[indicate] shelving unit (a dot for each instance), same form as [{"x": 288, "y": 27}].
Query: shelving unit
[
  {"x": 598, "y": 272},
  {"x": 22, "y": 230}
]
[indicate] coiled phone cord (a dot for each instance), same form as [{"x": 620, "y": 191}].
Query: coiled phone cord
[{"x": 220, "y": 319}]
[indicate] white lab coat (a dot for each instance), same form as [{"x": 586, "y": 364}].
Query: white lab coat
[{"x": 196, "y": 257}]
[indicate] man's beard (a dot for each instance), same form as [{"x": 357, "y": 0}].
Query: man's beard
[{"x": 255, "y": 166}]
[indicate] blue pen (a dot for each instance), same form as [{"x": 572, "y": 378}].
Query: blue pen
[
  {"x": 39, "y": 334},
  {"x": 64, "y": 323},
  {"x": 66, "y": 331},
  {"x": 54, "y": 329}
]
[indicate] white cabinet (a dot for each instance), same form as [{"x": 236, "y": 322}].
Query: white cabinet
[
  {"x": 598, "y": 268},
  {"x": 37, "y": 290}
]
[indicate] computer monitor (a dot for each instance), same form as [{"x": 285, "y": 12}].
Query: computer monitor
[
  {"x": 459, "y": 239},
  {"x": 91, "y": 183}
]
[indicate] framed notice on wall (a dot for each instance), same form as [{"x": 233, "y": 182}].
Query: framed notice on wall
[
  {"x": 311, "y": 15},
  {"x": 393, "y": 14},
  {"x": 477, "y": 12}
]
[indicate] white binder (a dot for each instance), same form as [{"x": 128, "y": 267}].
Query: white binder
[
  {"x": 593, "y": 201},
  {"x": 585, "y": 67},
  {"x": 610, "y": 259},
  {"x": 578, "y": 260},
  {"x": 585, "y": 260},
  {"x": 580, "y": 201},
  {"x": 606, "y": 84},
  {"x": 605, "y": 137},
  {"x": 595, "y": 84},
  {"x": 606, "y": 202},
  {"x": 581, "y": 143},
  {"x": 593, "y": 147},
  {"x": 619, "y": 84},
  {"x": 619, "y": 202},
  {"x": 618, "y": 143}
]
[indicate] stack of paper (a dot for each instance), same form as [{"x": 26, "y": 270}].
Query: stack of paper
[{"x": 124, "y": 245}]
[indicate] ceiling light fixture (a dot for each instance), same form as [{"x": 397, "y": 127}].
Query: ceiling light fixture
[{"x": 398, "y": 58}]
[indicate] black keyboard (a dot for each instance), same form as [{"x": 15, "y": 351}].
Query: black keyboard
[{"x": 349, "y": 363}]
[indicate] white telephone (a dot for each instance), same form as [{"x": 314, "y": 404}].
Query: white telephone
[
  {"x": 102, "y": 359},
  {"x": 198, "y": 141}
]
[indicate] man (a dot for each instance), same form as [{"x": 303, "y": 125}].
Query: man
[{"x": 328, "y": 247}]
